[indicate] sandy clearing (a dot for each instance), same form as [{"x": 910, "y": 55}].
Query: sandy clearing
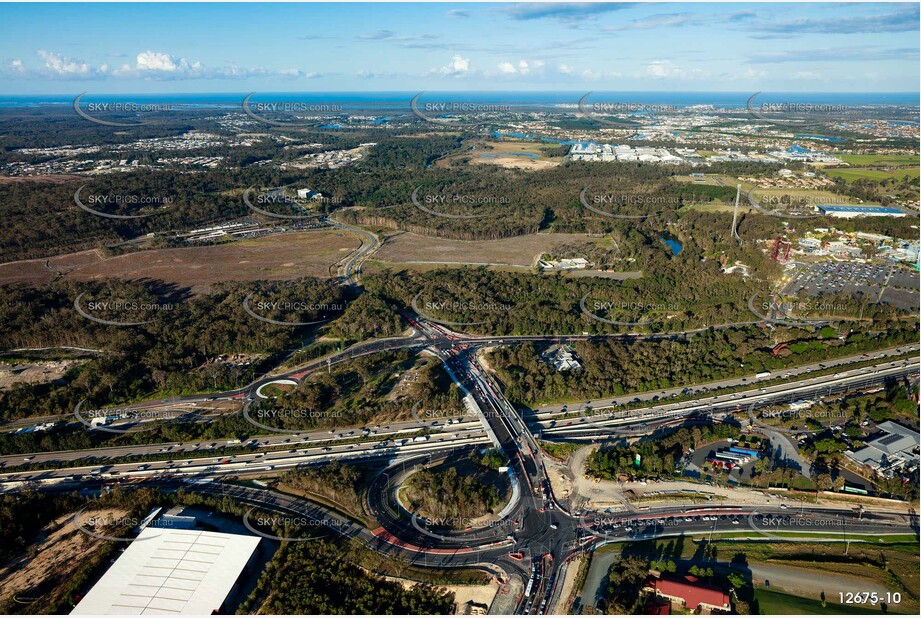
[
  {"x": 61, "y": 550},
  {"x": 480, "y": 594},
  {"x": 275, "y": 257},
  {"x": 517, "y": 251},
  {"x": 513, "y": 162}
]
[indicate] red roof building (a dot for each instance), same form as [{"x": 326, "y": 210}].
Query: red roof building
[{"x": 689, "y": 592}]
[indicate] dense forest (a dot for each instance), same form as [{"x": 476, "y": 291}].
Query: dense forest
[
  {"x": 342, "y": 483},
  {"x": 181, "y": 347},
  {"x": 444, "y": 495},
  {"x": 356, "y": 393},
  {"x": 315, "y": 578}
]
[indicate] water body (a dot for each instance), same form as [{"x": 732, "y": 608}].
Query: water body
[
  {"x": 673, "y": 244},
  {"x": 400, "y": 100},
  {"x": 820, "y": 137}
]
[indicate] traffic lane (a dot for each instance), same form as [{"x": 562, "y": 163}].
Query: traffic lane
[
  {"x": 722, "y": 403},
  {"x": 384, "y": 432},
  {"x": 235, "y": 464},
  {"x": 698, "y": 388},
  {"x": 759, "y": 526},
  {"x": 603, "y": 425}
]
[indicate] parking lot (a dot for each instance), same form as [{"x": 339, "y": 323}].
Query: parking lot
[{"x": 900, "y": 285}]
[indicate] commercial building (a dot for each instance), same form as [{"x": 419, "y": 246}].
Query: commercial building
[
  {"x": 896, "y": 448},
  {"x": 170, "y": 570},
  {"x": 850, "y": 212}
]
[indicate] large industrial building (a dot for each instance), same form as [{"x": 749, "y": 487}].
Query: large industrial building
[
  {"x": 850, "y": 212},
  {"x": 171, "y": 571}
]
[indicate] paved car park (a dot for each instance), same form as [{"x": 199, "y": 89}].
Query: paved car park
[{"x": 887, "y": 282}]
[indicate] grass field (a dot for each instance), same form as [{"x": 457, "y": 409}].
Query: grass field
[
  {"x": 275, "y": 257},
  {"x": 857, "y": 173},
  {"x": 770, "y": 602},
  {"x": 880, "y": 160},
  {"x": 876, "y": 167},
  {"x": 833, "y": 537}
]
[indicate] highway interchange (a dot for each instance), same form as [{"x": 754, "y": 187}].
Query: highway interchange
[{"x": 536, "y": 535}]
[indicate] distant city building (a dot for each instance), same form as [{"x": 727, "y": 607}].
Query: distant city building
[
  {"x": 850, "y": 212},
  {"x": 590, "y": 151}
]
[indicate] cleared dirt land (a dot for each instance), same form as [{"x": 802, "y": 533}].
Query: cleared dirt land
[
  {"x": 521, "y": 251},
  {"x": 276, "y": 257},
  {"x": 60, "y": 550}
]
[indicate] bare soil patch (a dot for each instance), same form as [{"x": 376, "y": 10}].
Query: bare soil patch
[
  {"x": 47, "y": 565},
  {"x": 521, "y": 251},
  {"x": 278, "y": 257}
]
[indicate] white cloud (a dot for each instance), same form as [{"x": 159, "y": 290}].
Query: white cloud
[
  {"x": 56, "y": 64},
  {"x": 666, "y": 69},
  {"x": 15, "y": 66},
  {"x": 524, "y": 67},
  {"x": 458, "y": 67},
  {"x": 147, "y": 65},
  {"x": 156, "y": 61}
]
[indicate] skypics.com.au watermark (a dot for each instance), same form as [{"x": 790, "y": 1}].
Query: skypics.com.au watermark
[
  {"x": 269, "y": 419},
  {"x": 429, "y": 309},
  {"x": 164, "y": 202},
  {"x": 609, "y": 307},
  {"x": 105, "y": 113},
  {"x": 617, "y": 528},
  {"x": 288, "y": 113},
  {"x": 126, "y": 310},
  {"x": 794, "y": 113},
  {"x": 89, "y": 525},
  {"x": 429, "y": 202},
  {"x": 608, "y": 204},
  {"x": 317, "y": 527},
  {"x": 102, "y": 419},
  {"x": 267, "y": 204},
  {"x": 441, "y": 415},
  {"x": 598, "y": 111},
  {"x": 319, "y": 311},
  {"x": 455, "y": 113}
]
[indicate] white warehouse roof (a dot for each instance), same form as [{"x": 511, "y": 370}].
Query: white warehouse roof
[{"x": 167, "y": 571}]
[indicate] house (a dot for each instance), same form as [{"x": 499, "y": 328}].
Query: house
[
  {"x": 562, "y": 358},
  {"x": 688, "y": 593}
]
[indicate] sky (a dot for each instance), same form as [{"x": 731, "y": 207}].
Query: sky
[{"x": 335, "y": 47}]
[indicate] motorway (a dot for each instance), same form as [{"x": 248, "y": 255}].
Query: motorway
[
  {"x": 594, "y": 422},
  {"x": 536, "y": 537}
]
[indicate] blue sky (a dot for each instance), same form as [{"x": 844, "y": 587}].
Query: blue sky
[{"x": 186, "y": 48}]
